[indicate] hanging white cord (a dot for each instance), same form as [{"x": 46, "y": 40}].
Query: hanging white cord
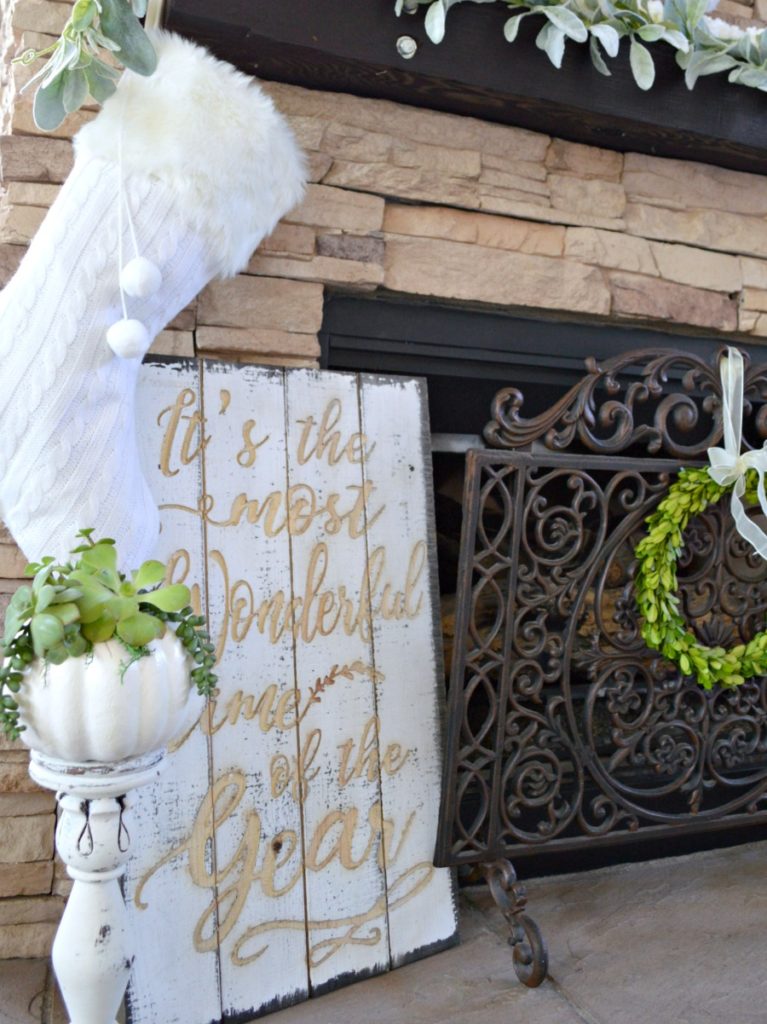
[
  {"x": 120, "y": 198},
  {"x": 131, "y": 226},
  {"x": 140, "y": 278}
]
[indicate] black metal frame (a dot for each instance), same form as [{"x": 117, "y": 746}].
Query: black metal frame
[{"x": 564, "y": 729}]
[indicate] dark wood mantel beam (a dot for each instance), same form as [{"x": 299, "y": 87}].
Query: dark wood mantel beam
[{"x": 350, "y": 46}]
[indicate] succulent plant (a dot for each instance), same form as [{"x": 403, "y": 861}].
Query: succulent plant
[{"x": 70, "y": 607}]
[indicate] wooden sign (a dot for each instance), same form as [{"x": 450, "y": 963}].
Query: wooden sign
[{"x": 288, "y": 847}]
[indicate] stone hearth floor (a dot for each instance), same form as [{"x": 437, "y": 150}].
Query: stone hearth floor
[{"x": 679, "y": 941}]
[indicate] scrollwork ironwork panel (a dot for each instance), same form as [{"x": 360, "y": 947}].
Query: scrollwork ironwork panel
[{"x": 564, "y": 728}]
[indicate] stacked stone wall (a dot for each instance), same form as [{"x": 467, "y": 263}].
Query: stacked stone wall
[{"x": 405, "y": 202}]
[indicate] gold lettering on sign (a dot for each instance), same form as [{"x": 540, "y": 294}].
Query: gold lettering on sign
[
  {"x": 402, "y": 889},
  {"x": 246, "y": 456},
  {"x": 366, "y": 758},
  {"x": 280, "y": 869},
  {"x": 319, "y": 611},
  {"x": 194, "y": 433},
  {"x": 296, "y": 775},
  {"x": 295, "y": 510},
  {"x": 272, "y": 712},
  {"x": 317, "y": 438}
]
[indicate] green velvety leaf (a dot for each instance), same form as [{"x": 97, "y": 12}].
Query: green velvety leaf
[
  {"x": 651, "y": 33},
  {"x": 168, "y": 599},
  {"x": 148, "y": 575},
  {"x": 642, "y": 65},
  {"x": 83, "y": 13},
  {"x": 99, "y": 86},
  {"x": 48, "y": 109},
  {"x": 139, "y": 629},
  {"x": 702, "y": 63},
  {"x": 119, "y": 23},
  {"x": 552, "y": 41},
  {"x": 676, "y": 39},
  {"x": 596, "y": 58},
  {"x": 568, "y": 22},
  {"x": 695, "y": 11},
  {"x": 608, "y": 37},
  {"x": 434, "y": 22},
  {"x": 47, "y": 631},
  {"x": 511, "y": 28},
  {"x": 75, "y": 91},
  {"x": 754, "y": 77}
]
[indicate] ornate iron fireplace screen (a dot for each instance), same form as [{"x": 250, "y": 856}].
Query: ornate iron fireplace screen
[{"x": 564, "y": 728}]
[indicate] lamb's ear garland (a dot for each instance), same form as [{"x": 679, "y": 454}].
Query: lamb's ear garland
[{"x": 175, "y": 182}]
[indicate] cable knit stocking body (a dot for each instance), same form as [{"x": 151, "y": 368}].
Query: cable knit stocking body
[{"x": 204, "y": 181}]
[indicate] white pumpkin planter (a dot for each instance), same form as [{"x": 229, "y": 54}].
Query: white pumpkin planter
[
  {"x": 97, "y": 732},
  {"x": 82, "y": 710}
]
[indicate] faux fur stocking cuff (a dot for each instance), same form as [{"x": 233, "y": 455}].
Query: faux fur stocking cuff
[{"x": 213, "y": 137}]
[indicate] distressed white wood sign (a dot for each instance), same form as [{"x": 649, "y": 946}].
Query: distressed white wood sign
[{"x": 288, "y": 847}]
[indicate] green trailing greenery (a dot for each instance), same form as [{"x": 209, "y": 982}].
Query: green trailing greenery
[
  {"x": 102, "y": 36},
  {"x": 663, "y": 628},
  {"x": 72, "y": 606},
  {"x": 76, "y": 68},
  {"x": 704, "y": 45}
]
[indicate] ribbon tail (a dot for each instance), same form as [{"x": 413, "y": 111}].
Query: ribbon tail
[
  {"x": 746, "y": 527},
  {"x": 732, "y": 401}
]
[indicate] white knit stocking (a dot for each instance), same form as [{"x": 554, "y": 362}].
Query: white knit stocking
[{"x": 68, "y": 452}]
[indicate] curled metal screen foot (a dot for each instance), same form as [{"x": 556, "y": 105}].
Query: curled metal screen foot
[{"x": 530, "y": 956}]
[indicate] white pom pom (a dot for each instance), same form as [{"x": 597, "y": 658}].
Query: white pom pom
[
  {"x": 140, "y": 278},
  {"x": 128, "y": 339}
]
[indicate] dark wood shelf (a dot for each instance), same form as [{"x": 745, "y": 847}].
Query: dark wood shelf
[{"x": 350, "y": 47}]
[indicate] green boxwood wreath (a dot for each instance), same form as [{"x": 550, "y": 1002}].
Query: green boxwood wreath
[{"x": 663, "y": 628}]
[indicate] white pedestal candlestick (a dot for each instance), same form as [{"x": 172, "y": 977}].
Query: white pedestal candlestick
[{"x": 93, "y": 949}]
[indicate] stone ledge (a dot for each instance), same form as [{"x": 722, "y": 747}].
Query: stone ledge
[
  {"x": 733, "y": 233},
  {"x": 652, "y": 300},
  {"x": 493, "y": 276},
  {"x": 173, "y": 343},
  {"x": 483, "y": 229},
  {"x": 257, "y": 302},
  {"x": 260, "y": 342},
  {"x": 323, "y": 269},
  {"x": 338, "y": 208}
]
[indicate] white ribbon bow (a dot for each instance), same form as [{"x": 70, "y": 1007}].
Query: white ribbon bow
[{"x": 728, "y": 466}]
